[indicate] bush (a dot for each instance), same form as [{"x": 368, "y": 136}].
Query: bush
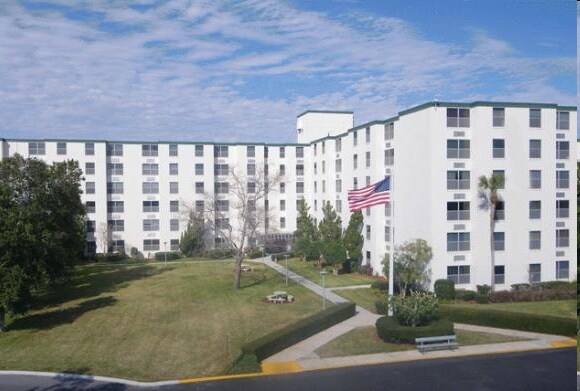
[
  {"x": 367, "y": 270},
  {"x": 134, "y": 252},
  {"x": 416, "y": 309},
  {"x": 389, "y": 330},
  {"x": 557, "y": 285},
  {"x": 465, "y": 295},
  {"x": 445, "y": 289},
  {"x": 482, "y": 299},
  {"x": 483, "y": 290},
  {"x": 510, "y": 320},
  {"x": 281, "y": 339},
  {"x": 382, "y": 286},
  {"x": 219, "y": 253},
  {"x": 382, "y": 306},
  {"x": 532, "y": 295},
  {"x": 171, "y": 256},
  {"x": 254, "y": 253},
  {"x": 110, "y": 257}
]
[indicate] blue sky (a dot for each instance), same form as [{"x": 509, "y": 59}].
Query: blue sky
[{"x": 215, "y": 70}]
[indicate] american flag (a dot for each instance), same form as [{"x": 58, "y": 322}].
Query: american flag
[{"x": 375, "y": 194}]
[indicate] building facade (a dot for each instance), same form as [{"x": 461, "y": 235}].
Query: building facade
[{"x": 434, "y": 153}]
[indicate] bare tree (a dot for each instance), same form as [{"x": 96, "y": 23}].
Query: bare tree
[
  {"x": 237, "y": 212},
  {"x": 104, "y": 234}
]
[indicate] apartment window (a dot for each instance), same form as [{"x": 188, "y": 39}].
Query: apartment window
[
  {"x": 151, "y": 225},
  {"x": 499, "y": 274},
  {"x": 338, "y": 165},
  {"x": 220, "y": 151},
  {"x": 151, "y": 245},
  {"x": 458, "y": 149},
  {"x": 115, "y": 168},
  {"x": 498, "y": 148},
  {"x": 150, "y": 187},
  {"x": 36, "y": 148},
  {"x": 499, "y": 174},
  {"x": 282, "y": 222},
  {"x": 562, "y": 179},
  {"x": 535, "y": 272},
  {"x": 535, "y": 240},
  {"x": 265, "y": 152},
  {"x": 458, "y": 211},
  {"x": 114, "y": 187},
  {"x": 115, "y": 206},
  {"x": 499, "y": 211},
  {"x": 323, "y": 186},
  {"x": 535, "y": 179},
  {"x": 117, "y": 245},
  {"x": 457, "y": 118},
  {"x": 172, "y": 149},
  {"x": 458, "y": 180},
  {"x": 562, "y": 120},
  {"x": 174, "y": 245},
  {"x": 173, "y": 169},
  {"x": 355, "y": 161},
  {"x": 116, "y": 225},
  {"x": 458, "y": 241},
  {"x": 223, "y": 169},
  {"x": 315, "y": 171},
  {"x": 90, "y": 187},
  {"x": 338, "y": 145},
  {"x": 282, "y": 187},
  {"x": 300, "y": 169},
  {"x": 198, "y": 168},
  {"x": 89, "y": 148},
  {"x": 90, "y": 207},
  {"x": 354, "y": 138},
  {"x": 114, "y": 149},
  {"x": 535, "y": 210},
  {"x": 222, "y": 187},
  {"x": 299, "y": 152},
  {"x": 61, "y": 148},
  {"x": 89, "y": 168},
  {"x": 323, "y": 167},
  {"x": 251, "y": 187},
  {"x": 458, "y": 274},
  {"x": 199, "y": 206},
  {"x": 367, "y": 180},
  {"x": 315, "y": 186},
  {"x": 535, "y": 149},
  {"x": 562, "y": 270},
  {"x": 387, "y": 234},
  {"x": 299, "y": 187},
  {"x": 282, "y": 152},
  {"x": 282, "y": 205},
  {"x": 389, "y": 131},
  {"x": 368, "y": 159},
  {"x": 338, "y": 204},
  {"x": 338, "y": 185},
  {"x": 562, "y": 238},
  {"x": 368, "y": 135},
  {"x": 355, "y": 183},
  {"x": 499, "y": 241},
  {"x": 562, "y": 150},
  {"x": 91, "y": 225},
  {"x": 250, "y": 151},
  {"x": 149, "y": 150},
  {"x": 323, "y": 147},
  {"x": 498, "y": 117},
  {"x": 251, "y": 169},
  {"x": 562, "y": 208},
  {"x": 388, "y": 209},
  {"x": 199, "y": 150},
  {"x": 150, "y": 169},
  {"x": 282, "y": 170},
  {"x": 174, "y": 225},
  {"x": 222, "y": 205},
  {"x": 368, "y": 232},
  {"x": 222, "y": 223},
  {"x": 389, "y": 157},
  {"x": 535, "y": 118},
  {"x": 150, "y": 206}
]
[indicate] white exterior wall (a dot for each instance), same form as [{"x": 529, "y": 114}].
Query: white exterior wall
[{"x": 314, "y": 125}]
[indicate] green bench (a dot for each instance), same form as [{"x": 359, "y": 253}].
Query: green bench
[{"x": 435, "y": 343}]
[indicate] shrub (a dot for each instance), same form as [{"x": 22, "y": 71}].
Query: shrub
[
  {"x": 134, "y": 252},
  {"x": 532, "y": 295},
  {"x": 389, "y": 330},
  {"x": 382, "y": 306},
  {"x": 367, "y": 270},
  {"x": 483, "y": 290},
  {"x": 482, "y": 299},
  {"x": 171, "y": 256},
  {"x": 445, "y": 289},
  {"x": 465, "y": 295},
  {"x": 382, "y": 286},
  {"x": 416, "y": 309},
  {"x": 220, "y": 253},
  {"x": 557, "y": 285},
  {"x": 254, "y": 253},
  {"x": 281, "y": 339},
  {"x": 510, "y": 320},
  {"x": 110, "y": 257}
]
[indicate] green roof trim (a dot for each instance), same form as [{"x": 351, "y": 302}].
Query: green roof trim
[{"x": 324, "y": 112}]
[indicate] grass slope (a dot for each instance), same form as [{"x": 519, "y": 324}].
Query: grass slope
[{"x": 311, "y": 272}]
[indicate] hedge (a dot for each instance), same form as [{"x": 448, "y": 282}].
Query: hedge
[
  {"x": 533, "y": 295},
  {"x": 110, "y": 257},
  {"x": 389, "y": 330},
  {"x": 465, "y": 295},
  {"x": 510, "y": 320},
  {"x": 171, "y": 256},
  {"x": 382, "y": 286},
  {"x": 279, "y": 340},
  {"x": 445, "y": 289}
]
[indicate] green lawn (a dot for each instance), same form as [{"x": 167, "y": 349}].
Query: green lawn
[
  {"x": 150, "y": 322},
  {"x": 310, "y": 271},
  {"x": 564, "y": 308},
  {"x": 364, "y": 340},
  {"x": 365, "y": 297}
]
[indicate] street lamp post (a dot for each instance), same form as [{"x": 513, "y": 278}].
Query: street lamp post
[
  {"x": 323, "y": 273},
  {"x": 165, "y": 251},
  {"x": 286, "y": 256}
]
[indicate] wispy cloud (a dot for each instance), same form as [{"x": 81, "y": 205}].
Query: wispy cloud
[{"x": 221, "y": 70}]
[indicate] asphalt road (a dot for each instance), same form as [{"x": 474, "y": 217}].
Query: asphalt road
[{"x": 544, "y": 370}]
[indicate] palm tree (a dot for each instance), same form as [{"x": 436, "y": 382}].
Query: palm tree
[{"x": 489, "y": 198}]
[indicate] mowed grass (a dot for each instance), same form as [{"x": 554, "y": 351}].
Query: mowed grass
[
  {"x": 150, "y": 322},
  {"x": 309, "y": 270},
  {"x": 365, "y": 297},
  {"x": 563, "y": 308},
  {"x": 364, "y": 340}
]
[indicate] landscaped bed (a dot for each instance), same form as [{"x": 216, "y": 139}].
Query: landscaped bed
[
  {"x": 150, "y": 322},
  {"x": 309, "y": 270}
]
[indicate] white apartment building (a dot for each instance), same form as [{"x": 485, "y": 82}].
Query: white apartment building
[{"x": 435, "y": 154}]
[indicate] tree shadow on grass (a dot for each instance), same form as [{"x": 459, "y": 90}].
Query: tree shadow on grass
[
  {"x": 48, "y": 320},
  {"x": 252, "y": 279},
  {"x": 93, "y": 281}
]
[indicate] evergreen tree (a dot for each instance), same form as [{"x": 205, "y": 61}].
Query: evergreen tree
[
  {"x": 192, "y": 240},
  {"x": 353, "y": 240},
  {"x": 330, "y": 228},
  {"x": 306, "y": 236}
]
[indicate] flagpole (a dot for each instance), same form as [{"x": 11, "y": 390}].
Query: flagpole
[{"x": 392, "y": 249}]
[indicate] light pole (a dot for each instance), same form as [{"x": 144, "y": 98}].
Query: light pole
[
  {"x": 323, "y": 273},
  {"x": 286, "y": 256},
  {"x": 165, "y": 251}
]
